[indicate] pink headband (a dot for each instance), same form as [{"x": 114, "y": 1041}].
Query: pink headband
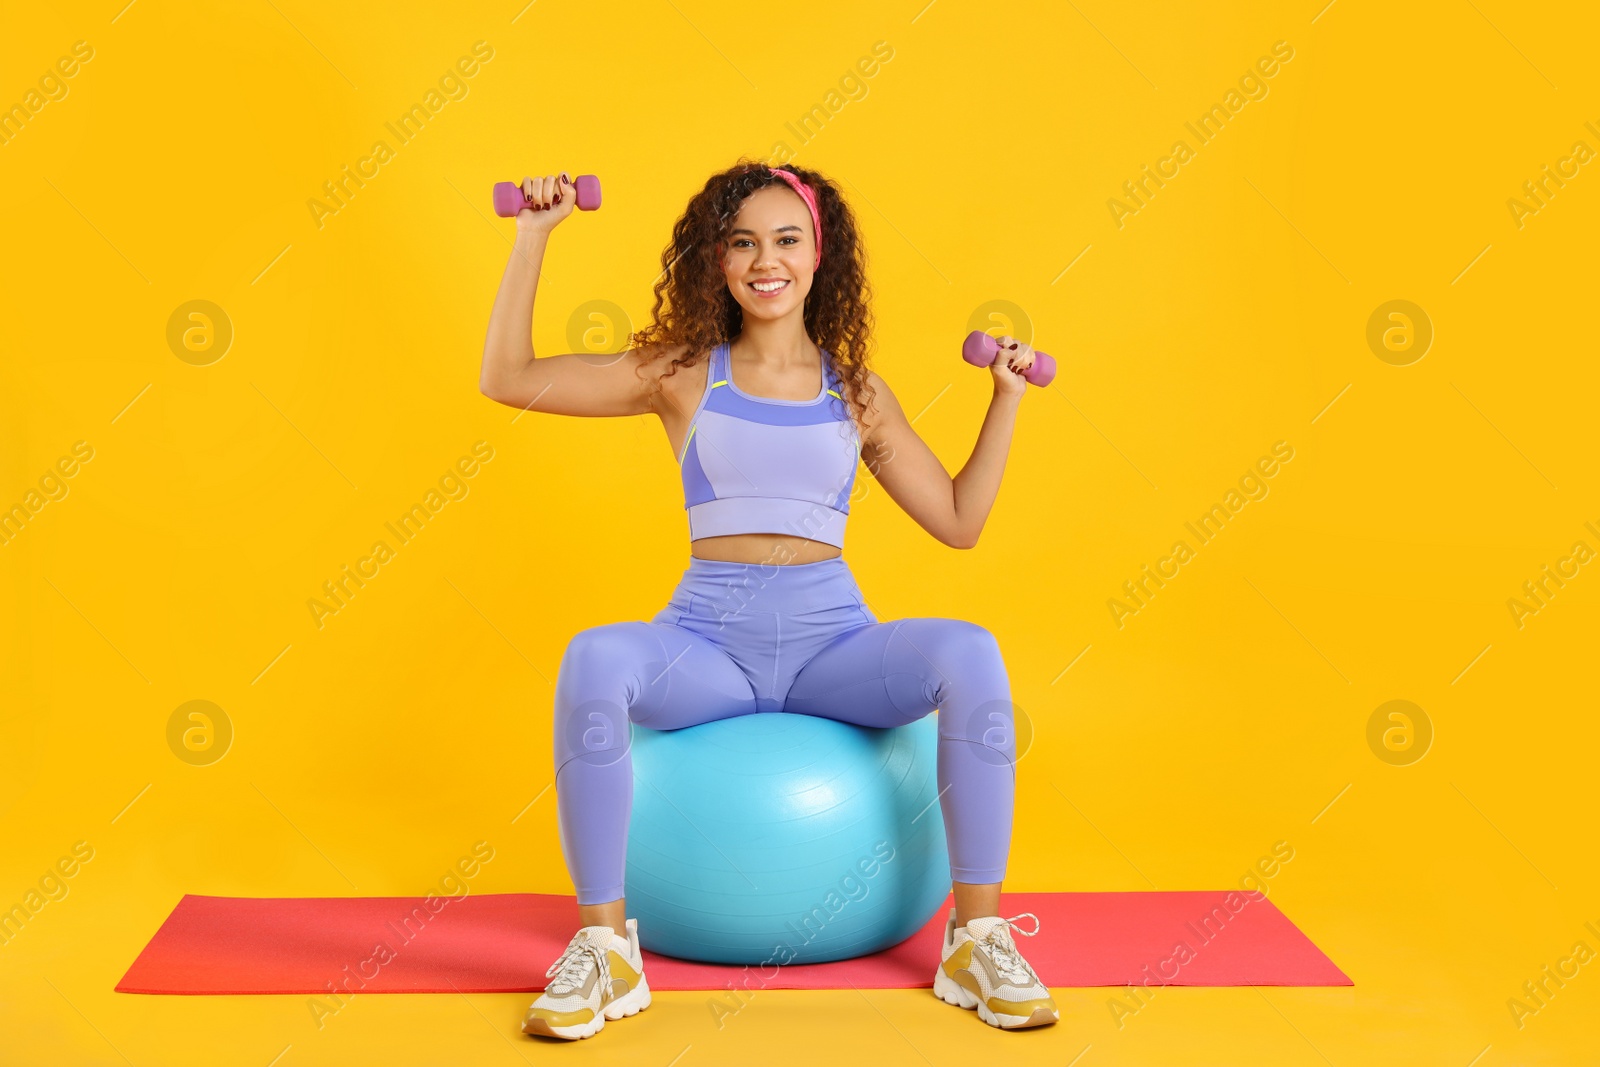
[{"x": 810, "y": 198}]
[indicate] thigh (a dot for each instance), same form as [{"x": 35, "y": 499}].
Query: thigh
[
  {"x": 886, "y": 674},
  {"x": 661, "y": 675}
]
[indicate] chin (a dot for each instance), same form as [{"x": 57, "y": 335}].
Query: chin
[{"x": 768, "y": 310}]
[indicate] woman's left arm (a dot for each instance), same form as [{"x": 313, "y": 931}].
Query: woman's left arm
[{"x": 953, "y": 510}]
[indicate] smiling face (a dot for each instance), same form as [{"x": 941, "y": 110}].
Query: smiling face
[{"x": 770, "y": 241}]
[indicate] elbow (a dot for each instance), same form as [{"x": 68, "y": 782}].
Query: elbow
[
  {"x": 498, "y": 372},
  {"x": 492, "y": 386},
  {"x": 963, "y": 540}
]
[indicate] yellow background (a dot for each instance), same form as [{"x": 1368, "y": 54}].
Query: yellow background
[{"x": 1229, "y": 313}]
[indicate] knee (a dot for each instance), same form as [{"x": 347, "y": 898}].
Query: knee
[
  {"x": 597, "y": 651},
  {"x": 954, "y": 649},
  {"x": 966, "y": 642},
  {"x": 596, "y": 685},
  {"x": 973, "y": 690},
  {"x": 620, "y": 659}
]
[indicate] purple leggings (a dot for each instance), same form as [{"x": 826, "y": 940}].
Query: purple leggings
[{"x": 742, "y": 638}]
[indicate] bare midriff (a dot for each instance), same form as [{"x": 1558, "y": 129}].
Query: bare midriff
[{"x": 776, "y": 550}]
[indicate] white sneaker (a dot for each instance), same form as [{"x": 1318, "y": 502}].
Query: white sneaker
[
  {"x": 980, "y": 967},
  {"x": 599, "y": 976}
]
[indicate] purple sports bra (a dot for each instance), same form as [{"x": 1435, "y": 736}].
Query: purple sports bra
[{"x": 757, "y": 465}]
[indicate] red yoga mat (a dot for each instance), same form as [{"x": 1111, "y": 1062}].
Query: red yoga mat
[{"x": 502, "y": 943}]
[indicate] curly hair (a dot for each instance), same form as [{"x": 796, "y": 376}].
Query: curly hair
[{"x": 694, "y": 308}]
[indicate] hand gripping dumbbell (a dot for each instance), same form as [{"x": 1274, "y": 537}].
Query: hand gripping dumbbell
[
  {"x": 981, "y": 350},
  {"x": 509, "y": 198}
]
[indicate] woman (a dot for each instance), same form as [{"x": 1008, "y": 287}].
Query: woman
[{"x": 762, "y": 307}]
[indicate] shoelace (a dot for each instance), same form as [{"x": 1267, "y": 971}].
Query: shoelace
[
  {"x": 568, "y": 970},
  {"x": 1007, "y": 960}
]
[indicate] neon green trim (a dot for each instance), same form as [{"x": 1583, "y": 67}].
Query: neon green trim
[
  {"x": 832, "y": 393},
  {"x": 692, "y": 429}
]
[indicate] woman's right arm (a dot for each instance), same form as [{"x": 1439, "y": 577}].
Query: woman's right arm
[{"x": 577, "y": 383}]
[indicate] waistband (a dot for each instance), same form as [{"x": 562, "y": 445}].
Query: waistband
[
  {"x": 769, "y": 588},
  {"x": 761, "y": 514}
]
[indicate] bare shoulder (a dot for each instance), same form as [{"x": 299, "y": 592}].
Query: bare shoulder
[
  {"x": 875, "y": 380},
  {"x": 883, "y": 410}
]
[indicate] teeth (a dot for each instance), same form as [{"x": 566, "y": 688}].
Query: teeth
[{"x": 767, "y": 287}]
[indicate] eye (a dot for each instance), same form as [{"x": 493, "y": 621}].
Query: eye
[{"x": 791, "y": 237}]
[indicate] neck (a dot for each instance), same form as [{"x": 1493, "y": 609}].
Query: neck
[{"x": 782, "y": 343}]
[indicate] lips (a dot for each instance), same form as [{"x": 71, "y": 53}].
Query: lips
[{"x": 784, "y": 284}]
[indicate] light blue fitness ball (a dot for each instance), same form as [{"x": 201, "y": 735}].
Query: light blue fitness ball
[{"x": 774, "y": 838}]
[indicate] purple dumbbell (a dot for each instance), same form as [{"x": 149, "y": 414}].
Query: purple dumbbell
[
  {"x": 509, "y": 198},
  {"x": 980, "y": 350}
]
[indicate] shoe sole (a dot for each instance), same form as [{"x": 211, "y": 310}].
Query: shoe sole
[
  {"x": 952, "y": 992},
  {"x": 540, "y": 1027},
  {"x": 630, "y": 1003}
]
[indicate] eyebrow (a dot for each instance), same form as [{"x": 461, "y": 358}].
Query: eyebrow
[{"x": 775, "y": 229}]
